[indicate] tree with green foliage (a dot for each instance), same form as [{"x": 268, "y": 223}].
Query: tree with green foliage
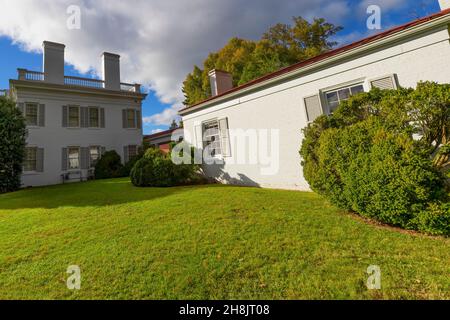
[
  {"x": 282, "y": 45},
  {"x": 12, "y": 145},
  {"x": 377, "y": 155}
]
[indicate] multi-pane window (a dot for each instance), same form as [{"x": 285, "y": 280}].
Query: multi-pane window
[
  {"x": 74, "y": 117},
  {"x": 211, "y": 137},
  {"x": 94, "y": 117},
  {"x": 74, "y": 158},
  {"x": 94, "y": 153},
  {"x": 334, "y": 98},
  {"x": 132, "y": 151},
  {"x": 131, "y": 118},
  {"x": 30, "y": 161},
  {"x": 31, "y": 114}
]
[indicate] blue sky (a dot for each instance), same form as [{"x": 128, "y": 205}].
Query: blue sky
[{"x": 18, "y": 51}]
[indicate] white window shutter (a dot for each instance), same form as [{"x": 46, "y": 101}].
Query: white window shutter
[
  {"x": 199, "y": 136},
  {"x": 65, "y": 117},
  {"x": 385, "y": 83},
  {"x": 64, "y": 159},
  {"x": 313, "y": 107},
  {"x": 39, "y": 160},
  {"x": 42, "y": 115},
  {"x": 225, "y": 137}
]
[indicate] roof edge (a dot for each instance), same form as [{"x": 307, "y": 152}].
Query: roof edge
[{"x": 323, "y": 58}]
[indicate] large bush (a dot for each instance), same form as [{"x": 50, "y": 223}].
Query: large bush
[
  {"x": 12, "y": 145},
  {"x": 109, "y": 166},
  {"x": 384, "y": 155},
  {"x": 156, "y": 169}
]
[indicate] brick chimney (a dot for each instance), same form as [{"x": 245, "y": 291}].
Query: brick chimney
[
  {"x": 444, "y": 4},
  {"x": 221, "y": 82},
  {"x": 111, "y": 71},
  {"x": 53, "y": 62}
]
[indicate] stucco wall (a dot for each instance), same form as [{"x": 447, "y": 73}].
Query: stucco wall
[
  {"x": 53, "y": 137},
  {"x": 423, "y": 57}
]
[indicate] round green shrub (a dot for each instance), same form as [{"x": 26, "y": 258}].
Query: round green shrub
[
  {"x": 12, "y": 145},
  {"x": 109, "y": 166},
  {"x": 376, "y": 155},
  {"x": 156, "y": 169}
]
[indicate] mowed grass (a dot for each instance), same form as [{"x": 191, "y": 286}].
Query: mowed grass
[{"x": 205, "y": 242}]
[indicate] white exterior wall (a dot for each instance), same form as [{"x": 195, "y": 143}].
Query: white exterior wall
[
  {"x": 53, "y": 137},
  {"x": 281, "y": 106}
]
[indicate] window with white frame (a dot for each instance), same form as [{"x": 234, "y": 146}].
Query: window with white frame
[
  {"x": 73, "y": 154},
  {"x": 335, "y": 97},
  {"x": 94, "y": 154},
  {"x": 131, "y": 118},
  {"x": 211, "y": 138},
  {"x": 30, "y": 160},
  {"x": 31, "y": 114},
  {"x": 94, "y": 117},
  {"x": 74, "y": 117}
]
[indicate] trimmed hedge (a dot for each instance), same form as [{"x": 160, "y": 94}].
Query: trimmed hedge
[
  {"x": 12, "y": 145},
  {"x": 156, "y": 169},
  {"x": 109, "y": 166},
  {"x": 377, "y": 156}
]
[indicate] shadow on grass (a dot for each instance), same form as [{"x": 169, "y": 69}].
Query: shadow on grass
[{"x": 99, "y": 193}]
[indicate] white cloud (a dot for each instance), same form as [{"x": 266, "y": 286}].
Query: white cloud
[
  {"x": 157, "y": 131},
  {"x": 164, "y": 118},
  {"x": 159, "y": 41}
]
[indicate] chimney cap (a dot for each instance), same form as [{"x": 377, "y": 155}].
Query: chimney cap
[
  {"x": 53, "y": 44},
  {"x": 214, "y": 71},
  {"x": 111, "y": 55}
]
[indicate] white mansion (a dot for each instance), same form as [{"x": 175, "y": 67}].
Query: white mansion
[{"x": 71, "y": 121}]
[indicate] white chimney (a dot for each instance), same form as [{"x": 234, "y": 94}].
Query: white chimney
[
  {"x": 221, "y": 82},
  {"x": 445, "y": 4},
  {"x": 111, "y": 71},
  {"x": 53, "y": 62}
]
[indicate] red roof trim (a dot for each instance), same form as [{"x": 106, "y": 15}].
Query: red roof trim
[
  {"x": 160, "y": 134},
  {"x": 325, "y": 56}
]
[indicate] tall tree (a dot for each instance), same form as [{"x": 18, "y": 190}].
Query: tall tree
[
  {"x": 12, "y": 145},
  {"x": 246, "y": 60}
]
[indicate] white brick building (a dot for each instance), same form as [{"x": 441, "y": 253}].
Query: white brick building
[{"x": 289, "y": 99}]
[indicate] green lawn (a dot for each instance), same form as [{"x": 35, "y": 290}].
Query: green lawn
[{"x": 207, "y": 242}]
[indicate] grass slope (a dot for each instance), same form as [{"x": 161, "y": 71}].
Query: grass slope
[{"x": 208, "y": 242}]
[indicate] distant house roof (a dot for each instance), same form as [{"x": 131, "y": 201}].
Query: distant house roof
[
  {"x": 319, "y": 58},
  {"x": 167, "y": 133}
]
